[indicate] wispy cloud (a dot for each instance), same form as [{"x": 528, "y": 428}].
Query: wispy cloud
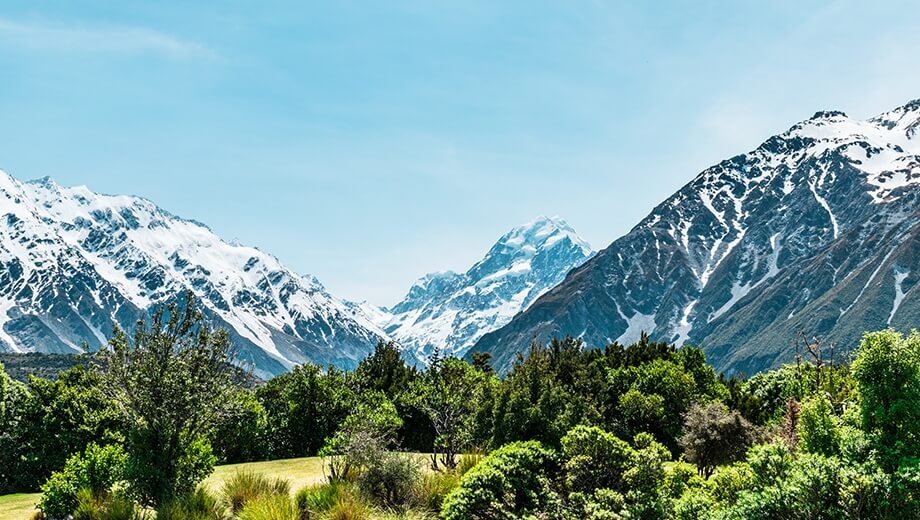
[{"x": 68, "y": 37}]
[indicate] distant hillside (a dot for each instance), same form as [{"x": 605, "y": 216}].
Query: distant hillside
[{"x": 46, "y": 366}]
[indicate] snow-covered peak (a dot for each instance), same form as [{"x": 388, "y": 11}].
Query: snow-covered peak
[
  {"x": 450, "y": 311},
  {"x": 542, "y": 232}
]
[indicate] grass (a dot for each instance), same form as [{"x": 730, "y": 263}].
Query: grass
[
  {"x": 18, "y": 507},
  {"x": 298, "y": 472}
]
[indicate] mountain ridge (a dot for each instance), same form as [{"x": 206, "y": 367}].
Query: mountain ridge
[
  {"x": 685, "y": 272},
  {"x": 75, "y": 262}
]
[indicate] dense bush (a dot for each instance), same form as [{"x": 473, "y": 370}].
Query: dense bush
[
  {"x": 595, "y": 459},
  {"x": 714, "y": 436},
  {"x": 239, "y": 435},
  {"x": 512, "y": 482},
  {"x": 363, "y": 438},
  {"x": 391, "y": 481},
  {"x": 305, "y": 407},
  {"x": 93, "y": 472},
  {"x": 47, "y": 421},
  {"x": 887, "y": 372}
]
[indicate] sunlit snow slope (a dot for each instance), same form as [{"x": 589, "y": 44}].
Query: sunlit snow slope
[{"x": 73, "y": 262}]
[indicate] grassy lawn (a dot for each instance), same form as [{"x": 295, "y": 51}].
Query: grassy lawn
[
  {"x": 18, "y": 506},
  {"x": 299, "y": 472}
]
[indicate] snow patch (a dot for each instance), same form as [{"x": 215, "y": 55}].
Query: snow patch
[
  {"x": 635, "y": 326},
  {"x": 899, "y": 276}
]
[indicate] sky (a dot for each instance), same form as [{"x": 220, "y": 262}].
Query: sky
[{"x": 368, "y": 143}]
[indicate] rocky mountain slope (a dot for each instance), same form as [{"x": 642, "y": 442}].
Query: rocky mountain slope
[
  {"x": 813, "y": 232},
  {"x": 451, "y": 311},
  {"x": 73, "y": 262}
]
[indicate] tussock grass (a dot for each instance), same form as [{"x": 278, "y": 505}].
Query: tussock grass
[{"x": 247, "y": 486}]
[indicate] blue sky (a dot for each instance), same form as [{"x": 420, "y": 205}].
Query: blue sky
[{"x": 368, "y": 143}]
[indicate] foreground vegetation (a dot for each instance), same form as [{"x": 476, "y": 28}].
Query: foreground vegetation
[{"x": 644, "y": 431}]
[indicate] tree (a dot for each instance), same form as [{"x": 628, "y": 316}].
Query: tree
[
  {"x": 363, "y": 438},
  {"x": 448, "y": 393},
  {"x": 482, "y": 361},
  {"x": 304, "y": 407},
  {"x": 239, "y": 436},
  {"x": 13, "y": 395},
  {"x": 55, "y": 419},
  {"x": 714, "y": 435},
  {"x": 534, "y": 402},
  {"x": 887, "y": 372},
  {"x": 384, "y": 370},
  {"x": 172, "y": 384},
  {"x": 96, "y": 470}
]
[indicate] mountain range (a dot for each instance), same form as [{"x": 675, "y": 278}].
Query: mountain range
[
  {"x": 814, "y": 233},
  {"x": 73, "y": 263}
]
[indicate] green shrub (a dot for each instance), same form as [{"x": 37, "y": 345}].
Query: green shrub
[
  {"x": 729, "y": 481},
  {"x": 679, "y": 477},
  {"x": 153, "y": 483},
  {"x": 594, "y": 459},
  {"x": 695, "y": 504},
  {"x": 314, "y": 501},
  {"x": 97, "y": 470},
  {"x": 269, "y": 507},
  {"x": 769, "y": 462},
  {"x": 199, "y": 505},
  {"x": 511, "y": 482},
  {"x": 818, "y": 428},
  {"x": 603, "y": 504},
  {"x": 390, "y": 481},
  {"x": 246, "y": 486}
]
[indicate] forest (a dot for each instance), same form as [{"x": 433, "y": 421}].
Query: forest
[{"x": 641, "y": 431}]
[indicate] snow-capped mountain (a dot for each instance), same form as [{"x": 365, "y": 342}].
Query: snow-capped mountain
[
  {"x": 813, "y": 232},
  {"x": 73, "y": 262},
  {"x": 451, "y": 311}
]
